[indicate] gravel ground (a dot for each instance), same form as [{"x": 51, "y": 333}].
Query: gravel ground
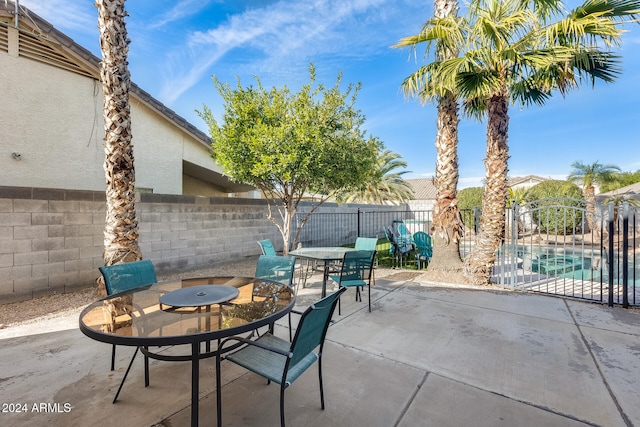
[{"x": 62, "y": 304}]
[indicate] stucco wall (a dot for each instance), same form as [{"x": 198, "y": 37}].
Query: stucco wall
[{"x": 53, "y": 119}]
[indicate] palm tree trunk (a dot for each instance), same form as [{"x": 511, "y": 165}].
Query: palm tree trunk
[
  {"x": 590, "y": 198},
  {"x": 447, "y": 225},
  {"x": 121, "y": 224},
  {"x": 479, "y": 264}
]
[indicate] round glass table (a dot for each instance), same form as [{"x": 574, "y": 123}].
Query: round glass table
[{"x": 144, "y": 317}]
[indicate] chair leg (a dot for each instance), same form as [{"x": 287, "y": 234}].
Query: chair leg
[
  {"x": 125, "y": 375},
  {"x": 282, "y": 386},
  {"x": 320, "y": 381},
  {"x": 369, "y": 286}
]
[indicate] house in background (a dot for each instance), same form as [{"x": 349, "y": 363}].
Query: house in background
[
  {"x": 524, "y": 182},
  {"x": 424, "y": 193},
  {"x": 51, "y": 121}
]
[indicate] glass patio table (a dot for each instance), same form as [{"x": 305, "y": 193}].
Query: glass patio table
[
  {"x": 214, "y": 308},
  {"x": 327, "y": 255}
]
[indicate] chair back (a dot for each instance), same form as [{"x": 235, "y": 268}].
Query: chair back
[
  {"x": 357, "y": 265},
  {"x": 366, "y": 243},
  {"x": 423, "y": 243},
  {"x": 313, "y": 326},
  {"x": 130, "y": 275},
  {"x": 278, "y": 268},
  {"x": 267, "y": 247},
  {"x": 403, "y": 235}
]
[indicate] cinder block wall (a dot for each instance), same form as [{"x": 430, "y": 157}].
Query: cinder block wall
[{"x": 51, "y": 240}]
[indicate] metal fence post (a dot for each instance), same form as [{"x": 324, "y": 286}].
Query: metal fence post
[
  {"x": 625, "y": 254},
  {"x": 611, "y": 267},
  {"x": 359, "y": 228}
]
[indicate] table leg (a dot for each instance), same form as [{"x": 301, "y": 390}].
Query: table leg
[
  {"x": 195, "y": 382},
  {"x": 325, "y": 278}
]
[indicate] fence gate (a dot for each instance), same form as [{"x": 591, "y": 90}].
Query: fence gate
[{"x": 568, "y": 247}]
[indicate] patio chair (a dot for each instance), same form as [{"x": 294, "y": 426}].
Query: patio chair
[
  {"x": 402, "y": 235},
  {"x": 397, "y": 250},
  {"x": 424, "y": 248},
  {"x": 368, "y": 244},
  {"x": 267, "y": 248},
  {"x": 281, "y": 361},
  {"x": 356, "y": 272},
  {"x": 124, "y": 277},
  {"x": 280, "y": 269}
]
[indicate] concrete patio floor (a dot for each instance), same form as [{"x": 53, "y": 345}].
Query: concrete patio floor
[{"x": 427, "y": 355}]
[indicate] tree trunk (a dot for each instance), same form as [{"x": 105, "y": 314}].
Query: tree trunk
[
  {"x": 590, "y": 197},
  {"x": 447, "y": 226},
  {"x": 479, "y": 264},
  {"x": 121, "y": 224}
]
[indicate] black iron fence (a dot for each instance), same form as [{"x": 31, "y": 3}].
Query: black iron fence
[
  {"x": 567, "y": 247},
  {"x": 556, "y": 247},
  {"x": 342, "y": 228}
]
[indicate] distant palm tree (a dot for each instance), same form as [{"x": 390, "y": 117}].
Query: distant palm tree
[
  {"x": 589, "y": 176},
  {"x": 384, "y": 185},
  {"x": 121, "y": 224},
  {"x": 511, "y": 51},
  {"x": 446, "y": 222}
]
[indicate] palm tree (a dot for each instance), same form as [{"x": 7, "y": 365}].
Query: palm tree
[
  {"x": 385, "y": 185},
  {"x": 121, "y": 224},
  {"x": 447, "y": 222},
  {"x": 513, "y": 52},
  {"x": 590, "y": 176}
]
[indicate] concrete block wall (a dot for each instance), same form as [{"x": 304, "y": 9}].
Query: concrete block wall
[{"x": 51, "y": 240}]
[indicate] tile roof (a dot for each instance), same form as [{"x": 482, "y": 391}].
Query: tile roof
[{"x": 423, "y": 188}]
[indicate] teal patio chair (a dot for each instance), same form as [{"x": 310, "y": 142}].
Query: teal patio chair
[
  {"x": 279, "y": 269},
  {"x": 368, "y": 244},
  {"x": 124, "y": 277},
  {"x": 267, "y": 248},
  {"x": 424, "y": 248},
  {"x": 281, "y": 361},
  {"x": 356, "y": 271}
]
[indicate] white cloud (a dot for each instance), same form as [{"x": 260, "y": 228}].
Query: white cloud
[{"x": 284, "y": 35}]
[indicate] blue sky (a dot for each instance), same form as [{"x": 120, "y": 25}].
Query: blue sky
[{"x": 177, "y": 45}]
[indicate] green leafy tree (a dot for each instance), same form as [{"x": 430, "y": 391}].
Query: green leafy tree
[
  {"x": 291, "y": 145},
  {"x": 590, "y": 175},
  {"x": 516, "y": 51},
  {"x": 385, "y": 183},
  {"x": 469, "y": 199},
  {"x": 620, "y": 180}
]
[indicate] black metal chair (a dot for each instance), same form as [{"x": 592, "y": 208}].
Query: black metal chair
[{"x": 279, "y": 360}]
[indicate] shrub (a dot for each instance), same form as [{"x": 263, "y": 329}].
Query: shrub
[
  {"x": 468, "y": 198},
  {"x": 557, "y": 206}
]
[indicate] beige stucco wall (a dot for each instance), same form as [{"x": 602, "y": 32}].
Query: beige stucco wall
[{"x": 53, "y": 119}]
